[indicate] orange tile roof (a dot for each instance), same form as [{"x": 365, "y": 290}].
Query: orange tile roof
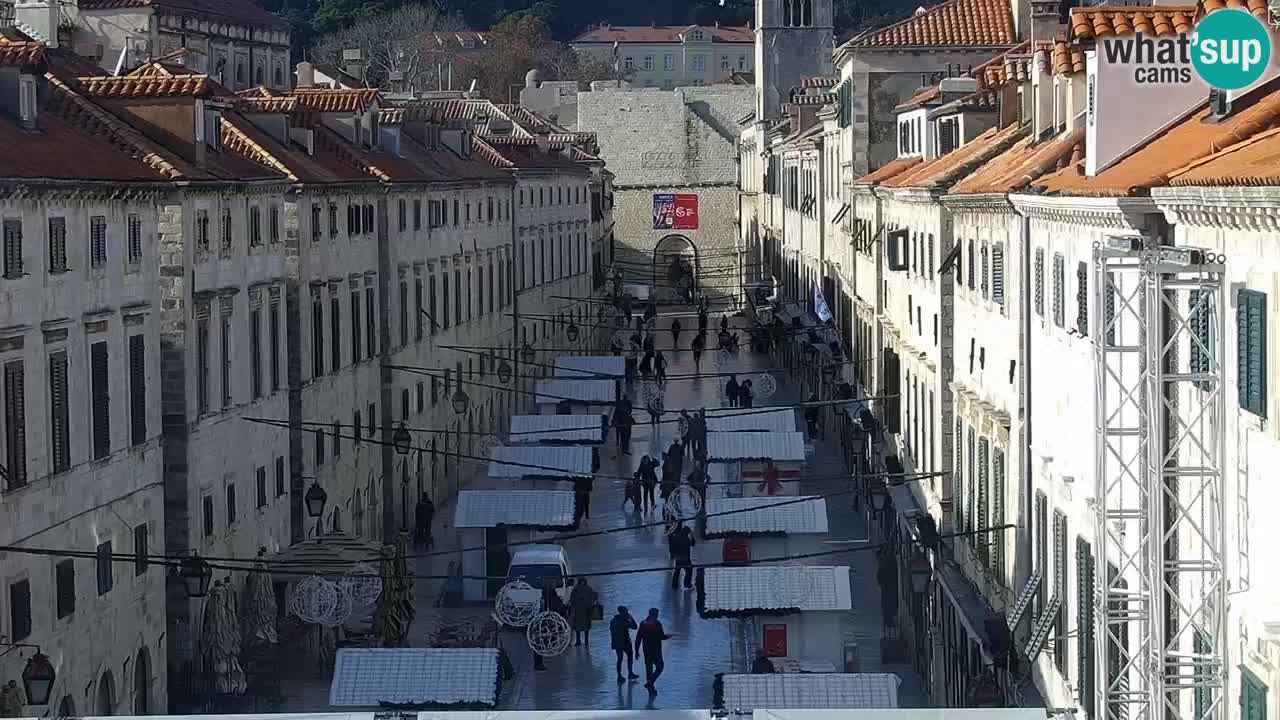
[
  {"x": 1023, "y": 163},
  {"x": 1189, "y": 140},
  {"x": 237, "y": 140},
  {"x": 1089, "y": 23},
  {"x": 488, "y": 152},
  {"x": 819, "y": 99},
  {"x": 267, "y": 104},
  {"x": 923, "y": 97},
  {"x": 1064, "y": 57},
  {"x": 1254, "y": 162},
  {"x": 888, "y": 170},
  {"x": 823, "y": 81},
  {"x": 944, "y": 171},
  {"x": 127, "y": 86},
  {"x": 326, "y": 100},
  {"x": 663, "y": 34},
  {"x": 982, "y": 23},
  {"x": 983, "y": 100},
  {"x": 19, "y": 53},
  {"x": 98, "y": 122},
  {"x": 1256, "y": 8}
]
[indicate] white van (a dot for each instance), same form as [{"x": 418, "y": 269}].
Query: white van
[{"x": 533, "y": 564}]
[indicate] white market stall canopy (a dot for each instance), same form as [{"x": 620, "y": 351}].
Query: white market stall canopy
[
  {"x": 365, "y": 677},
  {"x": 533, "y": 429},
  {"x": 817, "y": 690},
  {"x": 601, "y": 367},
  {"x": 743, "y": 589},
  {"x": 757, "y": 714},
  {"x": 781, "y": 421},
  {"x": 542, "y": 461},
  {"x": 780, "y": 446},
  {"x": 591, "y": 392},
  {"x": 514, "y": 508},
  {"x": 766, "y": 516}
]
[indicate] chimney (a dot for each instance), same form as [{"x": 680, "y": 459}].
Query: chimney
[
  {"x": 42, "y": 17},
  {"x": 353, "y": 63},
  {"x": 306, "y": 75},
  {"x": 954, "y": 88}
]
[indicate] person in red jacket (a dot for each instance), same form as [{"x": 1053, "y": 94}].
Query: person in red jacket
[{"x": 649, "y": 639}]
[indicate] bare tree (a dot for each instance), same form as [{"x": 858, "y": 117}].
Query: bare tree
[{"x": 399, "y": 41}]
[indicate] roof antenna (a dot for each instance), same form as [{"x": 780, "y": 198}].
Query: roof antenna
[{"x": 120, "y": 61}]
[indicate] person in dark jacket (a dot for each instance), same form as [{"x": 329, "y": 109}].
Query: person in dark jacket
[
  {"x": 582, "y": 487},
  {"x": 620, "y": 627},
  {"x": 762, "y": 664},
  {"x": 702, "y": 319},
  {"x": 648, "y": 478},
  {"x": 660, "y": 367},
  {"x": 649, "y": 343},
  {"x": 811, "y": 416},
  {"x": 675, "y": 333},
  {"x": 582, "y": 605},
  {"x": 423, "y": 513},
  {"x": 649, "y": 638},
  {"x": 724, "y": 323},
  {"x": 676, "y": 454},
  {"x": 681, "y": 543},
  {"x": 622, "y": 422},
  {"x": 731, "y": 390},
  {"x": 745, "y": 396},
  {"x": 646, "y": 365}
]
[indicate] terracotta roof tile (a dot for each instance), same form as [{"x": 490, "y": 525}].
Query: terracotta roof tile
[
  {"x": 261, "y": 91},
  {"x": 983, "y": 100},
  {"x": 98, "y": 122},
  {"x": 663, "y": 34},
  {"x": 1256, "y": 8},
  {"x": 235, "y": 139},
  {"x": 891, "y": 169},
  {"x": 920, "y": 99},
  {"x": 267, "y": 104},
  {"x": 402, "y": 113},
  {"x": 1254, "y": 162},
  {"x": 126, "y": 86},
  {"x": 1189, "y": 140},
  {"x": 1065, "y": 58},
  {"x": 955, "y": 22},
  {"x": 823, "y": 81},
  {"x": 242, "y": 11},
  {"x": 818, "y": 99},
  {"x": 944, "y": 171},
  {"x": 488, "y": 152},
  {"x": 20, "y": 53},
  {"x": 326, "y": 100},
  {"x": 1094, "y": 22},
  {"x": 1023, "y": 164}
]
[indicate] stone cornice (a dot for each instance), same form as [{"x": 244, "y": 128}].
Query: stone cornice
[
  {"x": 910, "y": 194},
  {"x": 71, "y": 190},
  {"x": 1119, "y": 213},
  {"x": 1237, "y": 208},
  {"x": 982, "y": 202}
]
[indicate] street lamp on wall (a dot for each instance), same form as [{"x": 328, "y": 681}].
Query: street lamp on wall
[
  {"x": 921, "y": 570},
  {"x": 401, "y": 439},
  {"x": 879, "y": 492},
  {"x": 504, "y": 372},
  {"x": 315, "y": 500},
  {"x": 571, "y": 332},
  {"x": 196, "y": 576},
  {"x": 460, "y": 400},
  {"x": 37, "y": 677}
]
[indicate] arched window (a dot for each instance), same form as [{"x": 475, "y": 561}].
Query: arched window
[
  {"x": 67, "y": 706},
  {"x": 142, "y": 683},
  {"x": 106, "y": 695},
  {"x": 786, "y": 12},
  {"x": 259, "y": 76},
  {"x": 806, "y": 18}
]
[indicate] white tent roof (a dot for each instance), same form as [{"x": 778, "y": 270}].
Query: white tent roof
[
  {"x": 753, "y": 421},
  {"x": 781, "y": 446},
  {"x": 596, "y": 392},
  {"x": 365, "y": 677},
  {"x": 531, "y": 429},
  {"x": 540, "y": 460},
  {"x": 518, "y": 508},
  {"x": 816, "y": 690},
  {"x": 591, "y": 366},
  {"x": 730, "y": 589},
  {"x": 759, "y": 515}
]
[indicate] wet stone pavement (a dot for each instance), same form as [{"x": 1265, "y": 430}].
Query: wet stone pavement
[{"x": 583, "y": 677}]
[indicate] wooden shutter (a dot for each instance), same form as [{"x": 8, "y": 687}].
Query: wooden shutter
[
  {"x": 971, "y": 475},
  {"x": 996, "y": 539},
  {"x": 957, "y": 479},
  {"x": 1059, "y": 290},
  {"x": 137, "y": 389},
  {"x": 1039, "y": 273},
  {"x": 317, "y": 336},
  {"x": 274, "y": 325},
  {"x": 1251, "y": 351},
  {"x": 255, "y": 352},
  {"x": 1082, "y": 298},
  {"x": 980, "y": 519},
  {"x": 260, "y": 479},
  {"x": 106, "y": 578},
  {"x": 141, "y": 534},
  {"x": 1253, "y": 697},
  {"x": 997, "y": 273},
  {"x": 417, "y": 308},
  {"x": 65, "y": 587},
  {"x": 404, "y": 313},
  {"x": 15, "y": 422},
  {"x": 13, "y": 248},
  {"x": 983, "y": 279},
  {"x": 335, "y": 332},
  {"x": 356, "y": 337},
  {"x": 100, "y": 394},
  {"x": 370, "y": 323},
  {"x": 1086, "y": 655},
  {"x": 20, "y": 610},
  {"x": 59, "y": 415},
  {"x": 1060, "y": 589}
]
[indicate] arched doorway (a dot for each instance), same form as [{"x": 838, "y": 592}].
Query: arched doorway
[
  {"x": 142, "y": 683},
  {"x": 67, "y": 707},
  {"x": 675, "y": 257},
  {"x": 106, "y": 695}
]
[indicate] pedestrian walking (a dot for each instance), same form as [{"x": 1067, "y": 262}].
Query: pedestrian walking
[
  {"x": 680, "y": 543},
  {"x": 655, "y": 410},
  {"x": 615, "y": 347},
  {"x": 811, "y": 417},
  {"x": 650, "y": 310},
  {"x": 582, "y": 487},
  {"x": 648, "y": 343},
  {"x": 731, "y": 390},
  {"x": 649, "y": 638},
  {"x": 423, "y": 514},
  {"x": 648, "y": 477},
  {"x": 687, "y": 435},
  {"x": 660, "y": 367},
  {"x": 622, "y": 422},
  {"x": 620, "y": 627},
  {"x": 676, "y": 453},
  {"x": 582, "y": 607},
  {"x": 745, "y": 396},
  {"x": 699, "y": 345},
  {"x": 699, "y": 433},
  {"x": 702, "y": 318},
  {"x": 675, "y": 333},
  {"x": 646, "y": 365},
  {"x": 724, "y": 323},
  {"x": 698, "y": 478}
]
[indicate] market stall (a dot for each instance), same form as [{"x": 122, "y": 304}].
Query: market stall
[
  {"x": 565, "y": 396},
  {"x": 489, "y": 520},
  {"x": 558, "y": 430}
]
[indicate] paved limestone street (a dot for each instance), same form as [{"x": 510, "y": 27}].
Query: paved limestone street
[{"x": 583, "y": 677}]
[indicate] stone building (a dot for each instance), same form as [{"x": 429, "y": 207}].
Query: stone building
[
  {"x": 671, "y": 56},
  {"x": 82, "y": 209},
  {"x": 680, "y": 143}
]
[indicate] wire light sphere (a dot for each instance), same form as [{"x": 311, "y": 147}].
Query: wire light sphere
[
  {"x": 341, "y": 612},
  {"x": 313, "y": 598},
  {"x": 685, "y": 502},
  {"x": 764, "y": 386},
  {"x": 651, "y": 395},
  {"x": 485, "y": 446},
  {"x": 682, "y": 424},
  {"x": 363, "y": 584},
  {"x": 548, "y": 634},
  {"x": 792, "y": 583},
  {"x": 723, "y": 357},
  {"x": 516, "y": 604},
  {"x": 671, "y": 520},
  {"x": 622, "y": 338}
]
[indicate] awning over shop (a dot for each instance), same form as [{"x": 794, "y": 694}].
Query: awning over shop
[
  {"x": 766, "y": 516},
  {"x": 368, "y": 677},
  {"x": 540, "y": 461},
  {"x": 588, "y": 392},
  {"x": 818, "y": 690},
  {"x": 330, "y": 555},
  {"x": 514, "y": 508},
  {"x": 733, "y": 420},
  {"x": 591, "y": 366},
  {"x": 751, "y": 588},
  {"x": 569, "y": 429},
  {"x": 778, "y": 446}
]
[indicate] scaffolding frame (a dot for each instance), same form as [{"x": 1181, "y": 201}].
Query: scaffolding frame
[{"x": 1160, "y": 628}]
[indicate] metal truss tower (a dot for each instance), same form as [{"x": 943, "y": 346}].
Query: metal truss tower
[{"x": 1160, "y": 609}]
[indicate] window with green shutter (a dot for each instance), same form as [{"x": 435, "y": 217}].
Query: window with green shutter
[
  {"x": 1200, "y": 341},
  {"x": 1204, "y": 696},
  {"x": 1253, "y": 697},
  {"x": 1109, "y": 320},
  {"x": 970, "y": 497},
  {"x": 1086, "y": 658},
  {"x": 1039, "y": 279},
  {"x": 997, "y": 273},
  {"x": 1082, "y": 298},
  {"x": 1060, "y": 589},
  {"x": 957, "y": 479},
  {"x": 997, "y": 514},
  {"x": 1251, "y": 351},
  {"x": 980, "y": 518},
  {"x": 1059, "y": 290}
]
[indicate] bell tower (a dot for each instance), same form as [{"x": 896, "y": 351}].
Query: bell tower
[{"x": 794, "y": 40}]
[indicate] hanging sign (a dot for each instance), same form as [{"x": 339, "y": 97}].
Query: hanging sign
[
  {"x": 775, "y": 640},
  {"x": 675, "y": 211},
  {"x": 820, "y": 307}
]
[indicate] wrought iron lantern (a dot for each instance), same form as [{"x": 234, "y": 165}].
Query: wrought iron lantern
[
  {"x": 401, "y": 439},
  {"x": 196, "y": 576},
  {"x": 315, "y": 500},
  {"x": 38, "y": 678}
]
